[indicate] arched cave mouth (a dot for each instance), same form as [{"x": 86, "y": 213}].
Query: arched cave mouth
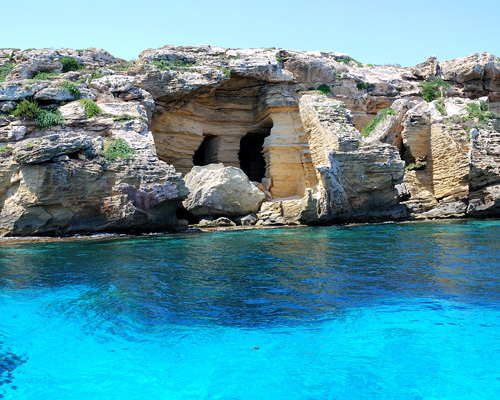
[
  {"x": 207, "y": 152},
  {"x": 252, "y": 160}
]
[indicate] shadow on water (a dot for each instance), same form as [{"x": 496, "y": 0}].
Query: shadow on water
[{"x": 258, "y": 278}]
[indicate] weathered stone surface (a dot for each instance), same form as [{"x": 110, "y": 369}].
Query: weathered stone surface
[
  {"x": 246, "y": 220},
  {"x": 307, "y": 69},
  {"x": 389, "y": 131},
  {"x": 221, "y": 191},
  {"x": 7, "y": 106},
  {"x": 426, "y": 69},
  {"x": 12, "y": 133},
  {"x": 353, "y": 181},
  {"x": 485, "y": 202},
  {"x": 132, "y": 109},
  {"x": 30, "y": 151},
  {"x": 258, "y": 64},
  {"x": 114, "y": 83},
  {"x": 87, "y": 196},
  {"x": 251, "y": 109},
  {"x": 219, "y": 222},
  {"x": 468, "y": 68},
  {"x": 29, "y": 62},
  {"x": 73, "y": 114},
  {"x": 18, "y": 90},
  {"x": 60, "y": 94}
]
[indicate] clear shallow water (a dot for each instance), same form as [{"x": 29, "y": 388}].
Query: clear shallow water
[{"x": 406, "y": 311}]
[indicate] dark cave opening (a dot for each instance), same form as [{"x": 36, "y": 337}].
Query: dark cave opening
[
  {"x": 252, "y": 160},
  {"x": 207, "y": 152}
]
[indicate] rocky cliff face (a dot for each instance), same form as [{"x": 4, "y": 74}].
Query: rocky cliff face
[{"x": 92, "y": 143}]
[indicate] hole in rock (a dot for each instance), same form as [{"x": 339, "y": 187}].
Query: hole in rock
[
  {"x": 207, "y": 152},
  {"x": 252, "y": 160}
]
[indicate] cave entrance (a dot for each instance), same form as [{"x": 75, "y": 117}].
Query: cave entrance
[
  {"x": 252, "y": 160},
  {"x": 207, "y": 152}
]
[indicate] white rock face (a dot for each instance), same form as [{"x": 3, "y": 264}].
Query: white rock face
[
  {"x": 19, "y": 90},
  {"x": 116, "y": 83},
  {"x": 12, "y": 133},
  {"x": 61, "y": 94},
  {"x": 132, "y": 109},
  {"x": 221, "y": 191}
]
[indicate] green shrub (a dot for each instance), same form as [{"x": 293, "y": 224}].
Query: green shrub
[
  {"x": 5, "y": 70},
  {"x": 362, "y": 86},
  {"x": 70, "y": 64},
  {"x": 27, "y": 109},
  {"x": 343, "y": 59},
  {"x": 278, "y": 58},
  {"x": 324, "y": 89},
  {"x": 226, "y": 72},
  {"x": 428, "y": 92},
  {"x": 72, "y": 89},
  {"x": 90, "y": 107},
  {"x": 484, "y": 105},
  {"x": 430, "y": 88},
  {"x": 440, "y": 106},
  {"x": 49, "y": 118},
  {"x": 381, "y": 116},
  {"x": 45, "y": 76},
  {"x": 474, "y": 110},
  {"x": 116, "y": 148}
]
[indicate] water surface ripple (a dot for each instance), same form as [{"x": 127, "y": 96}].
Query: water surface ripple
[{"x": 395, "y": 311}]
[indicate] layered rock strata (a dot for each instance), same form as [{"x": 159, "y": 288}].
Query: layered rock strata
[{"x": 288, "y": 123}]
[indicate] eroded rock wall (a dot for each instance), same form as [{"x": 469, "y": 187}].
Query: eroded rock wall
[{"x": 290, "y": 120}]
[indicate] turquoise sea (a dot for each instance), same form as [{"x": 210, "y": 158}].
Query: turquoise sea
[{"x": 390, "y": 311}]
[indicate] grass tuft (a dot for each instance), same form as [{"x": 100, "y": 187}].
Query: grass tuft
[
  {"x": 116, "y": 148},
  {"x": 416, "y": 166},
  {"x": 45, "y": 76},
  {"x": 26, "y": 109},
  {"x": 49, "y": 118},
  {"x": 5, "y": 70},
  {"x": 128, "y": 117},
  {"x": 381, "y": 116},
  {"x": 90, "y": 107},
  {"x": 72, "y": 89},
  {"x": 440, "y": 106}
]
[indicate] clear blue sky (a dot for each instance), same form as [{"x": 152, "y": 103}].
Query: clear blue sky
[{"x": 378, "y": 32}]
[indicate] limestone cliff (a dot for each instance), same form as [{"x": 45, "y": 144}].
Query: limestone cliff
[{"x": 98, "y": 146}]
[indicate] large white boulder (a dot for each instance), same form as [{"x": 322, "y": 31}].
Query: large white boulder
[{"x": 221, "y": 191}]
